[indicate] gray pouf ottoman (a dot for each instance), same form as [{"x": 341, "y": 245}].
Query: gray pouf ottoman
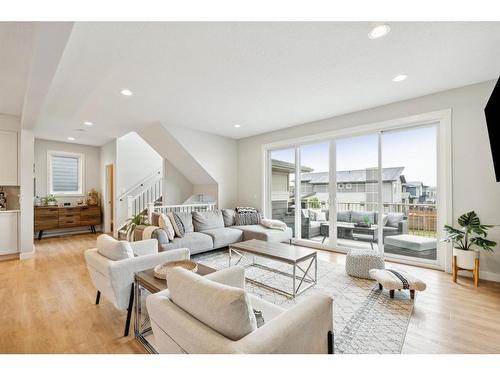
[{"x": 358, "y": 263}]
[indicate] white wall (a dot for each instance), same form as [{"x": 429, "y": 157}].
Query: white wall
[
  {"x": 91, "y": 173},
  {"x": 474, "y": 185},
  {"x": 136, "y": 160},
  {"x": 218, "y": 156},
  {"x": 176, "y": 187},
  {"x": 108, "y": 156}
]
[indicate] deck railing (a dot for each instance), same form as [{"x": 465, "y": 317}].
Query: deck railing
[{"x": 422, "y": 217}]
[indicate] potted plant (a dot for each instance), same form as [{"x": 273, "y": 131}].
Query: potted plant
[
  {"x": 49, "y": 200},
  {"x": 468, "y": 240}
]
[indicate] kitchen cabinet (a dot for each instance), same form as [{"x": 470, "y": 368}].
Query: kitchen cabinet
[
  {"x": 8, "y": 232},
  {"x": 8, "y": 158}
]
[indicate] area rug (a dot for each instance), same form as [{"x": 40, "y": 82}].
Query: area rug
[{"x": 366, "y": 320}]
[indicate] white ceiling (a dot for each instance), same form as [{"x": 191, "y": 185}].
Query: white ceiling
[
  {"x": 264, "y": 76},
  {"x": 16, "y": 42}
]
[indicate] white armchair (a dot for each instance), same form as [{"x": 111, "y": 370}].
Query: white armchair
[
  {"x": 114, "y": 279},
  {"x": 305, "y": 328}
]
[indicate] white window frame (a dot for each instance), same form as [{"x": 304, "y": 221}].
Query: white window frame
[
  {"x": 81, "y": 162},
  {"x": 442, "y": 119}
]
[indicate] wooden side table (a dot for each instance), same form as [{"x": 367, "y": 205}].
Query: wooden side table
[{"x": 145, "y": 281}]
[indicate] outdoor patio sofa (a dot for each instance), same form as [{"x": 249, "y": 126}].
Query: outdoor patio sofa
[
  {"x": 209, "y": 230},
  {"x": 394, "y": 222}
]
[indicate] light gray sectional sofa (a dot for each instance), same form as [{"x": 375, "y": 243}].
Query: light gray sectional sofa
[{"x": 209, "y": 230}]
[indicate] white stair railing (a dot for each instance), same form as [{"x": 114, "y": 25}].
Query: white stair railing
[
  {"x": 139, "y": 203},
  {"x": 180, "y": 208}
]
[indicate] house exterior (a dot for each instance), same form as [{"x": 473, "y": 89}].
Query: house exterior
[
  {"x": 355, "y": 186},
  {"x": 417, "y": 192}
]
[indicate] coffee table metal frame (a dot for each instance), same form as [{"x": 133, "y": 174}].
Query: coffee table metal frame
[
  {"x": 142, "y": 324},
  {"x": 305, "y": 279}
]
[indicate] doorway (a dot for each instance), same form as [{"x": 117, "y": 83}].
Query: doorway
[{"x": 109, "y": 217}]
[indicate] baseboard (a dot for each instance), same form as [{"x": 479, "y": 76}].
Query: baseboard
[
  {"x": 490, "y": 276},
  {"x": 483, "y": 275},
  {"x": 24, "y": 256}
]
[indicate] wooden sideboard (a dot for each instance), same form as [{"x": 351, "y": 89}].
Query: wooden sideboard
[{"x": 47, "y": 218}]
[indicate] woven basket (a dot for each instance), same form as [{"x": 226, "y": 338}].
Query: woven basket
[{"x": 161, "y": 271}]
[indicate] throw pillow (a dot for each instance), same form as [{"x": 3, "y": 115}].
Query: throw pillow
[
  {"x": 242, "y": 210},
  {"x": 320, "y": 216},
  {"x": 176, "y": 224},
  {"x": 248, "y": 218},
  {"x": 384, "y": 220},
  {"x": 165, "y": 223},
  {"x": 112, "y": 249},
  {"x": 223, "y": 308},
  {"x": 229, "y": 216},
  {"x": 394, "y": 218}
]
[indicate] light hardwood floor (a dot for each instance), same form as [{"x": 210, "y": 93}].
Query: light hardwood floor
[{"x": 47, "y": 306}]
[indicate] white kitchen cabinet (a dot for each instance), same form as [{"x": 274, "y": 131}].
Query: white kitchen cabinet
[
  {"x": 8, "y": 158},
  {"x": 8, "y": 233}
]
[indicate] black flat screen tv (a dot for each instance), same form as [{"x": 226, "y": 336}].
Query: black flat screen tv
[{"x": 492, "y": 113}]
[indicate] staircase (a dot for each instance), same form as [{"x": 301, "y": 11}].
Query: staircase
[{"x": 146, "y": 192}]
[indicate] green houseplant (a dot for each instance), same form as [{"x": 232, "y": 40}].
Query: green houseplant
[
  {"x": 49, "y": 200},
  {"x": 469, "y": 239}
]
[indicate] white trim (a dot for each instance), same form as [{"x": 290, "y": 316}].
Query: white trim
[
  {"x": 25, "y": 256},
  {"x": 298, "y": 201},
  {"x": 444, "y": 167},
  {"x": 81, "y": 166}
]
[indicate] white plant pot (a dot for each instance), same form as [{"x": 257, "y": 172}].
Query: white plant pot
[{"x": 466, "y": 259}]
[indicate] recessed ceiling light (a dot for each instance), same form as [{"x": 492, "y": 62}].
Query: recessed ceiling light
[
  {"x": 399, "y": 78},
  {"x": 71, "y": 138},
  {"x": 88, "y": 123},
  {"x": 127, "y": 92},
  {"x": 237, "y": 125},
  {"x": 379, "y": 31}
]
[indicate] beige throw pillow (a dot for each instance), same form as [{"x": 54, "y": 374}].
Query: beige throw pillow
[
  {"x": 223, "y": 308},
  {"x": 165, "y": 223}
]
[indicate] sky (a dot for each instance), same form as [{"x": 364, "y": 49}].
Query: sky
[{"x": 414, "y": 149}]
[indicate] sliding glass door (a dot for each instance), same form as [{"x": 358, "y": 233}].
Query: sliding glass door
[
  {"x": 376, "y": 190},
  {"x": 282, "y": 163},
  {"x": 357, "y": 185},
  {"x": 410, "y": 202}
]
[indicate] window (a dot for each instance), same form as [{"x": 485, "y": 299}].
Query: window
[
  {"x": 348, "y": 186},
  {"x": 65, "y": 173}
]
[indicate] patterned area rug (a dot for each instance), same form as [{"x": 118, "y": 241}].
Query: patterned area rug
[{"x": 366, "y": 320}]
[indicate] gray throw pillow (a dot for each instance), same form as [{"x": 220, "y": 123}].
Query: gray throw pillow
[
  {"x": 229, "y": 216},
  {"x": 177, "y": 224},
  {"x": 249, "y": 218},
  {"x": 394, "y": 218},
  {"x": 344, "y": 216},
  {"x": 206, "y": 220}
]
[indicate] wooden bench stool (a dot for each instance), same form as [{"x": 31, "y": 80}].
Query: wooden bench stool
[{"x": 392, "y": 280}]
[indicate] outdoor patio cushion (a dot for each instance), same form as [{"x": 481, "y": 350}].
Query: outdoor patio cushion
[
  {"x": 207, "y": 220},
  {"x": 224, "y": 236},
  {"x": 196, "y": 242},
  {"x": 411, "y": 242},
  {"x": 344, "y": 216},
  {"x": 393, "y": 219},
  {"x": 359, "y": 216},
  {"x": 259, "y": 232}
]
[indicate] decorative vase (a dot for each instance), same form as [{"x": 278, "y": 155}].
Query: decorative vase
[
  {"x": 52, "y": 203},
  {"x": 466, "y": 259}
]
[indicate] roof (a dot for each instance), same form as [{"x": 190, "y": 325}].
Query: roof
[
  {"x": 353, "y": 176},
  {"x": 284, "y": 166}
]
